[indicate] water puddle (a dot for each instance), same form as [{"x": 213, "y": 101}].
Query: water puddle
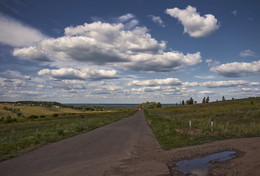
[{"x": 200, "y": 166}]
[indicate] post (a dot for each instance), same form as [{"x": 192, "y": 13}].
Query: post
[
  {"x": 212, "y": 125},
  {"x": 190, "y": 124}
]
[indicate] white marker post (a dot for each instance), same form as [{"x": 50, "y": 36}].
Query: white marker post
[
  {"x": 190, "y": 124},
  {"x": 212, "y": 125}
]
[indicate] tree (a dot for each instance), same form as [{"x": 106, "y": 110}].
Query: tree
[
  {"x": 204, "y": 100},
  {"x": 223, "y": 98},
  {"x": 182, "y": 103},
  {"x": 207, "y": 100},
  {"x": 190, "y": 101}
]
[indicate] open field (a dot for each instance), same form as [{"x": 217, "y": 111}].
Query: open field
[
  {"x": 38, "y": 126},
  {"x": 232, "y": 119},
  {"x": 34, "y": 110}
]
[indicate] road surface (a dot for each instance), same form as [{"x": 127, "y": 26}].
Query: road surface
[{"x": 104, "y": 151}]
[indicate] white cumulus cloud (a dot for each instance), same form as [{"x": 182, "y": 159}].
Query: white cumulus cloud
[
  {"x": 238, "y": 69},
  {"x": 74, "y": 74},
  {"x": 17, "y": 34},
  {"x": 103, "y": 43},
  {"x": 194, "y": 24}
]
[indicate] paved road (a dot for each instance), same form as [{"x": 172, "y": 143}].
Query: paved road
[{"x": 91, "y": 154}]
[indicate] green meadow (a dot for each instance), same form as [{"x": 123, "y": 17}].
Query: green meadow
[
  {"x": 231, "y": 119},
  {"x": 23, "y": 129}
]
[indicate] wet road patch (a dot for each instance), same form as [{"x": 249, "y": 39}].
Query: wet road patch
[{"x": 201, "y": 166}]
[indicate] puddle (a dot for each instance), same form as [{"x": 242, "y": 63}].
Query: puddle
[{"x": 200, "y": 166}]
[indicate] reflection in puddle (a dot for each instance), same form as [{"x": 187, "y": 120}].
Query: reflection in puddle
[{"x": 200, "y": 166}]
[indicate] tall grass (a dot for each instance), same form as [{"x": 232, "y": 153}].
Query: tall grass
[
  {"x": 28, "y": 134},
  {"x": 232, "y": 119}
]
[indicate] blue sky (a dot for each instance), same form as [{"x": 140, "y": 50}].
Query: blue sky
[{"x": 129, "y": 51}]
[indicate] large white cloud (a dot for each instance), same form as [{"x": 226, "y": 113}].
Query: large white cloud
[
  {"x": 238, "y": 69},
  {"x": 194, "y": 24},
  {"x": 115, "y": 44},
  {"x": 17, "y": 34},
  {"x": 155, "y": 82},
  {"x": 74, "y": 74}
]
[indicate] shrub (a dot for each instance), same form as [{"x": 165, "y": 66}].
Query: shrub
[
  {"x": 60, "y": 132},
  {"x": 33, "y": 117},
  {"x": 55, "y": 115},
  {"x": 8, "y": 119}
]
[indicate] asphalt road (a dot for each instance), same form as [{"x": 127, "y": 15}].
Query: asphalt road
[{"x": 94, "y": 153}]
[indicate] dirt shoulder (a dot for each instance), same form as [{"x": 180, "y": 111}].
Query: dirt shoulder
[{"x": 153, "y": 161}]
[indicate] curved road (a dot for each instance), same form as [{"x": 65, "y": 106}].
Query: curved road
[{"x": 96, "y": 153}]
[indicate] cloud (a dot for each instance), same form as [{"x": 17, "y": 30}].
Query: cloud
[
  {"x": 31, "y": 53},
  {"x": 146, "y": 89},
  {"x": 12, "y": 83},
  {"x": 15, "y": 75},
  {"x": 155, "y": 82},
  {"x": 194, "y": 24},
  {"x": 190, "y": 84},
  {"x": 255, "y": 83},
  {"x": 235, "y": 12},
  {"x": 162, "y": 62},
  {"x": 74, "y": 74},
  {"x": 207, "y": 92},
  {"x": 103, "y": 43},
  {"x": 126, "y": 17},
  {"x": 238, "y": 69},
  {"x": 247, "y": 53},
  {"x": 157, "y": 20},
  {"x": 205, "y": 77},
  {"x": 107, "y": 90},
  {"x": 17, "y": 34},
  {"x": 212, "y": 63},
  {"x": 224, "y": 84}
]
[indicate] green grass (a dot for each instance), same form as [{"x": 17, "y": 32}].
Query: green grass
[
  {"x": 232, "y": 119},
  {"x": 28, "y": 134}
]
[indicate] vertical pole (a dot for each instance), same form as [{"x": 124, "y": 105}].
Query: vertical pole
[
  {"x": 212, "y": 125},
  {"x": 190, "y": 124}
]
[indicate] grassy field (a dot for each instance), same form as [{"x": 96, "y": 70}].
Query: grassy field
[
  {"x": 232, "y": 119},
  {"x": 34, "y": 110},
  {"x": 38, "y": 126}
]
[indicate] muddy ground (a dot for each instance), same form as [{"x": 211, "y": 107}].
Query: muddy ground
[{"x": 154, "y": 161}]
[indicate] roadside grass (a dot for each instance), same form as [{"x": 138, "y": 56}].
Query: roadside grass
[
  {"x": 28, "y": 134},
  {"x": 232, "y": 119}
]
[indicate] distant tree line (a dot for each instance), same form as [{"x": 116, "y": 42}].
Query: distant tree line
[
  {"x": 204, "y": 100},
  {"x": 150, "y": 105},
  {"x": 39, "y": 103}
]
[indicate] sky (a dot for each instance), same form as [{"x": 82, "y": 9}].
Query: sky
[{"x": 129, "y": 51}]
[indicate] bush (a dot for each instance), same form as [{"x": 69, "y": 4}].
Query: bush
[
  {"x": 55, "y": 115},
  {"x": 60, "y": 132},
  {"x": 33, "y": 117},
  {"x": 8, "y": 119}
]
